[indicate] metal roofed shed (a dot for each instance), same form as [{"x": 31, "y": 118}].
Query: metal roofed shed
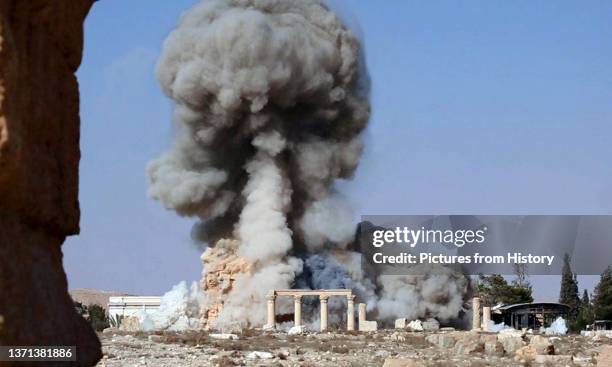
[{"x": 530, "y": 315}]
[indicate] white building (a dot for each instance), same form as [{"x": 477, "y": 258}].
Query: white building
[{"x": 131, "y": 305}]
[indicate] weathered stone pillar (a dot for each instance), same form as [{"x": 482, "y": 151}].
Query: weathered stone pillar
[
  {"x": 297, "y": 313},
  {"x": 362, "y": 312},
  {"x": 475, "y": 313},
  {"x": 323, "y": 298},
  {"x": 41, "y": 44},
  {"x": 486, "y": 318},
  {"x": 271, "y": 297},
  {"x": 350, "y": 313}
]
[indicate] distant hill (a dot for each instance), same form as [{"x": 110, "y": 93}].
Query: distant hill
[{"x": 94, "y": 296}]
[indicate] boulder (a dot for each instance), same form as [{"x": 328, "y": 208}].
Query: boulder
[
  {"x": 542, "y": 345},
  {"x": 511, "y": 344},
  {"x": 260, "y": 355},
  {"x": 494, "y": 348},
  {"x": 399, "y": 337},
  {"x": 525, "y": 354},
  {"x": 441, "y": 340},
  {"x": 130, "y": 324},
  {"x": 402, "y": 362},
  {"x": 558, "y": 360},
  {"x": 401, "y": 323},
  {"x": 368, "y": 326},
  {"x": 431, "y": 324},
  {"x": 415, "y": 325},
  {"x": 224, "y": 336},
  {"x": 470, "y": 343},
  {"x": 510, "y": 332},
  {"x": 295, "y": 330},
  {"x": 511, "y": 339}
]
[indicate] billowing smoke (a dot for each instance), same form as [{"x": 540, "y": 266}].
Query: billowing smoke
[{"x": 271, "y": 98}]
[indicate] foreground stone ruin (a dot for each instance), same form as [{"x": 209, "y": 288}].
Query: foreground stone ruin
[
  {"x": 389, "y": 348},
  {"x": 413, "y": 343},
  {"x": 41, "y": 43}
]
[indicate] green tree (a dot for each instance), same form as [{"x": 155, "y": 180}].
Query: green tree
[
  {"x": 494, "y": 289},
  {"x": 81, "y": 309},
  {"x": 585, "y": 314},
  {"x": 569, "y": 286},
  {"x": 97, "y": 317},
  {"x": 602, "y": 301}
]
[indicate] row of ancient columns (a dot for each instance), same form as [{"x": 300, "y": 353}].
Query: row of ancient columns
[
  {"x": 297, "y": 306},
  {"x": 486, "y": 315}
]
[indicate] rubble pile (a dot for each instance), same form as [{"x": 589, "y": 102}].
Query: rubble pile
[{"x": 397, "y": 347}]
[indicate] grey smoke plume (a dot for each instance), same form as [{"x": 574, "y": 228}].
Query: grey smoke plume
[{"x": 271, "y": 97}]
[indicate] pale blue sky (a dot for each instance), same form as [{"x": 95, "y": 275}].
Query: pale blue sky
[{"x": 479, "y": 107}]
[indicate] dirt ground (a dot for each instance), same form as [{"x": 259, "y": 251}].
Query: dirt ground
[{"x": 385, "y": 347}]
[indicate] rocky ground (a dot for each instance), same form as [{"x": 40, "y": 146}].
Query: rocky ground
[{"x": 389, "y": 348}]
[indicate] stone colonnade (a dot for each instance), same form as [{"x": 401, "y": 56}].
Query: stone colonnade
[
  {"x": 486, "y": 318},
  {"x": 323, "y": 295},
  {"x": 476, "y": 313},
  {"x": 477, "y": 324}
]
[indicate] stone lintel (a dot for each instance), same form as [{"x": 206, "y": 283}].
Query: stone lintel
[{"x": 316, "y": 292}]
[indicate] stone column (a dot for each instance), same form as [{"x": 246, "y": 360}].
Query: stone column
[
  {"x": 323, "y": 298},
  {"x": 271, "y": 297},
  {"x": 475, "y": 313},
  {"x": 297, "y": 313},
  {"x": 362, "y": 312},
  {"x": 350, "y": 313},
  {"x": 486, "y": 318}
]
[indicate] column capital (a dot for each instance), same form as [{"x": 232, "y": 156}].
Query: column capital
[
  {"x": 350, "y": 298},
  {"x": 323, "y": 297},
  {"x": 271, "y": 297},
  {"x": 297, "y": 298}
]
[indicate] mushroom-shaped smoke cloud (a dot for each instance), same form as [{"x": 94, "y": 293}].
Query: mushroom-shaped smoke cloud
[{"x": 271, "y": 98}]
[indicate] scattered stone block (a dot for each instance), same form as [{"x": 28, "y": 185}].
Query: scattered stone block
[
  {"x": 296, "y": 330},
  {"x": 260, "y": 355},
  {"x": 415, "y": 325},
  {"x": 511, "y": 339},
  {"x": 542, "y": 345},
  {"x": 558, "y": 360},
  {"x": 471, "y": 343},
  {"x": 494, "y": 348},
  {"x": 224, "y": 336},
  {"x": 268, "y": 327},
  {"x": 130, "y": 323},
  {"x": 525, "y": 354},
  {"x": 441, "y": 340},
  {"x": 368, "y": 326},
  {"x": 402, "y": 362},
  {"x": 431, "y": 324},
  {"x": 401, "y": 323}
]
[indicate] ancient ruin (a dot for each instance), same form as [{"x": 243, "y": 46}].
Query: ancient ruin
[
  {"x": 364, "y": 324},
  {"x": 323, "y": 295},
  {"x": 41, "y": 43},
  {"x": 221, "y": 267},
  {"x": 476, "y": 313}
]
